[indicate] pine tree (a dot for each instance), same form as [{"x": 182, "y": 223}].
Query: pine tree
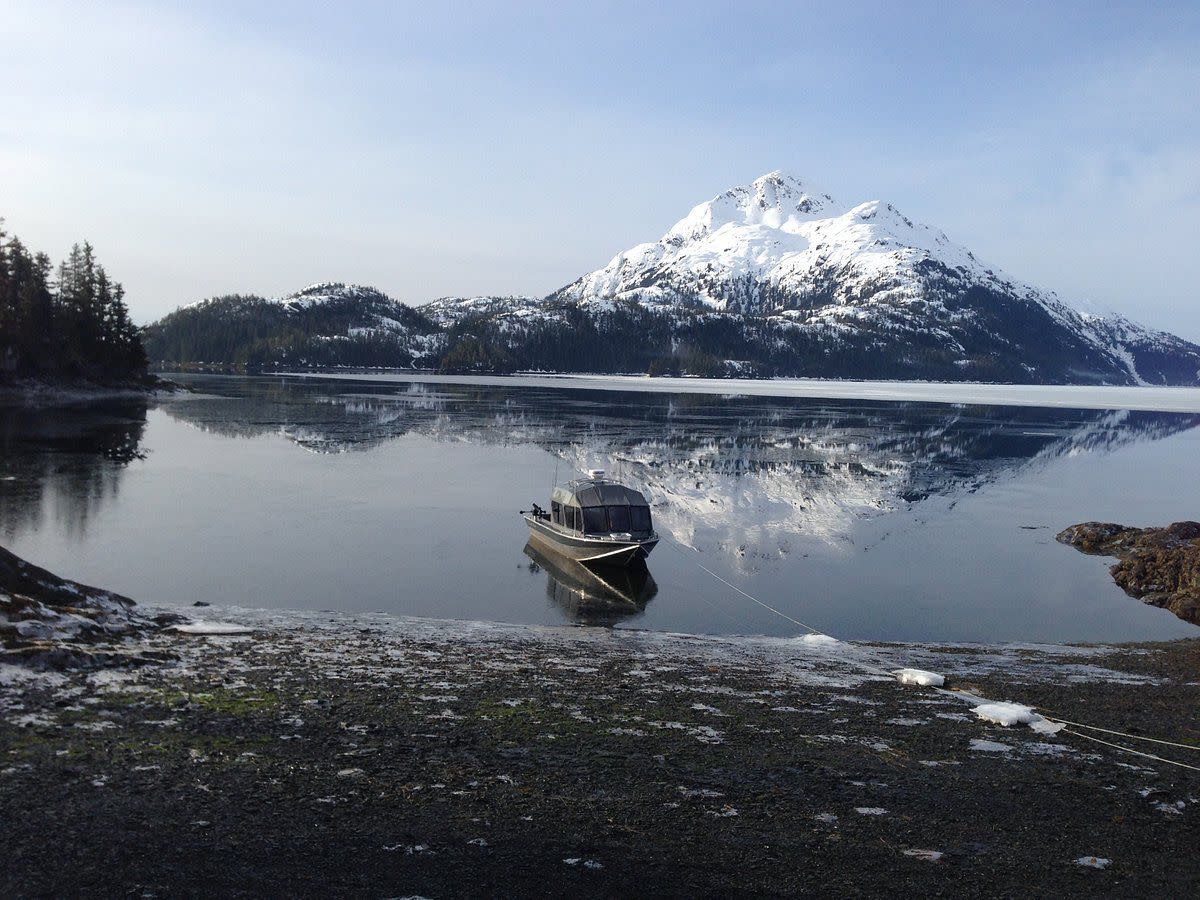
[{"x": 76, "y": 325}]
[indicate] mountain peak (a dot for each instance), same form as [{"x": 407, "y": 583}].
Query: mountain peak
[
  {"x": 776, "y": 200},
  {"x": 327, "y": 291}
]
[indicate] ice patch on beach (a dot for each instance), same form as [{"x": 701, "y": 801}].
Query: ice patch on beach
[
  {"x": 212, "y": 628},
  {"x": 984, "y": 746},
  {"x": 920, "y": 677},
  {"x": 818, "y": 639},
  {"x": 927, "y": 855}
]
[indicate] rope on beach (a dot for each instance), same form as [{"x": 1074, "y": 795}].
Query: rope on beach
[
  {"x": 1088, "y": 737},
  {"x": 1134, "y": 737},
  {"x": 962, "y": 695}
]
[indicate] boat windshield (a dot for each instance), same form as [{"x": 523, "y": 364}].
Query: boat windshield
[
  {"x": 594, "y": 520},
  {"x": 618, "y": 518},
  {"x": 639, "y": 518}
]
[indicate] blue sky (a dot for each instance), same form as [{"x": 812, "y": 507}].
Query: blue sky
[{"x": 435, "y": 149}]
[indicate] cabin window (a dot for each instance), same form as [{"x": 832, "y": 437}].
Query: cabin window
[
  {"x": 639, "y": 518},
  {"x": 618, "y": 518},
  {"x": 594, "y": 520},
  {"x": 573, "y": 518},
  {"x": 556, "y": 515}
]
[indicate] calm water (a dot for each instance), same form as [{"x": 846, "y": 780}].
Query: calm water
[{"x": 867, "y": 519}]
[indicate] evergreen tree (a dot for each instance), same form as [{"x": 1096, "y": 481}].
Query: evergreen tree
[{"x": 77, "y": 325}]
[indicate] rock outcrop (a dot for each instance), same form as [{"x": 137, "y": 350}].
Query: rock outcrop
[
  {"x": 1160, "y": 566},
  {"x": 51, "y": 622}
]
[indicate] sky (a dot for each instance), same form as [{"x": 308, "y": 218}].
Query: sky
[{"x": 439, "y": 149}]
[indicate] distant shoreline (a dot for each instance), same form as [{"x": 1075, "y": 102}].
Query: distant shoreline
[
  {"x": 1147, "y": 398},
  {"x": 53, "y": 392}
]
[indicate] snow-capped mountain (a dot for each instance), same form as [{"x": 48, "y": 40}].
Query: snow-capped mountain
[
  {"x": 784, "y": 250},
  {"x": 771, "y": 278}
]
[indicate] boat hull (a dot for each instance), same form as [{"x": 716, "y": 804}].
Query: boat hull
[
  {"x": 593, "y": 594},
  {"x": 589, "y": 550}
]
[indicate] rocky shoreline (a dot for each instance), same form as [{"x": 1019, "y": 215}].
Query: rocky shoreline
[
  {"x": 1159, "y": 566},
  {"x": 326, "y": 754},
  {"x": 34, "y": 392}
]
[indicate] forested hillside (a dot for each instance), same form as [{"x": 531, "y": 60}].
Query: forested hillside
[
  {"x": 64, "y": 323},
  {"x": 323, "y": 325}
]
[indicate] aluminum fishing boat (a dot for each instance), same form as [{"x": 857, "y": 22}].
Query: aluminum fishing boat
[{"x": 594, "y": 521}]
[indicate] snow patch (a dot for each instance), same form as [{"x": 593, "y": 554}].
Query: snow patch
[
  {"x": 919, "y": 677},
  {"x": 984, "y": 746},
  {"x": 1006, "y": 714},
  {"x": 211, "y": 628}
]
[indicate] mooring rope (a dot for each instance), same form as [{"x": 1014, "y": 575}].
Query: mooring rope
[
  {"x": 1134, "y": 737},
  {"x": 1088, "y": 737},
  {"x": 961, "y": 695}
]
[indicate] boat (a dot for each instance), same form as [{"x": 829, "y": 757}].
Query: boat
[
  {"x": 594, "y": 520},
  {"x": 593, "y": 594}
]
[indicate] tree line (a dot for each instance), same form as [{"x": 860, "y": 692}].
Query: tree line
[{"x": 69, "y": 322}]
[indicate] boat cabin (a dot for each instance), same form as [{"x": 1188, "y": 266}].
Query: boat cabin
[{"x": 594, "y": 506}]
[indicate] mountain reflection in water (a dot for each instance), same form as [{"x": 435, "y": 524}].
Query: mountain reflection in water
[
  {"x": 744, "y": 475},
  {"x": 595, "y": 595},
  {"x": 872, "y": 519}
]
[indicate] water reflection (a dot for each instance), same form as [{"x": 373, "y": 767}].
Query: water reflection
[
  {"x": 65, "y": 463},
  {"x": 867, "y": 518},
  {"x": 596, "y": 595},
  {"x": 737, "y": 474}
]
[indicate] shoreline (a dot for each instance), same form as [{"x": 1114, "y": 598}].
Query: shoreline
[
  {"x": 35, "y": 393},
  {"x": 335, "y": 753}
]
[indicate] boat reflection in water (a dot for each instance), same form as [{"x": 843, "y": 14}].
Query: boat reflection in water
[{"x": 596, "y": 594}]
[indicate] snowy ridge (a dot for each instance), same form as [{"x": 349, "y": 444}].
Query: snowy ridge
[
  {"x": 330, "y": 292},
  {"x": 447, "y": 311}
]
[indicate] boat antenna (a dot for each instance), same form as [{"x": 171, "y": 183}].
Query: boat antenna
[{"x": 552, "y": 487}]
